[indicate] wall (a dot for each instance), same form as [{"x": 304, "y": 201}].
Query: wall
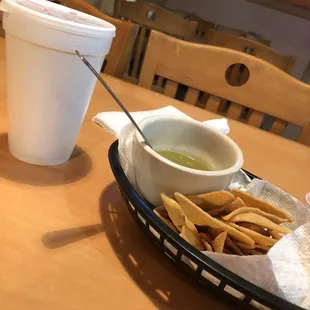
[{"x": 288, "y": 34}]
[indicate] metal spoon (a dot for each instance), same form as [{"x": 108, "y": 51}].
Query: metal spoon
[{"x": 91, "y": 68}]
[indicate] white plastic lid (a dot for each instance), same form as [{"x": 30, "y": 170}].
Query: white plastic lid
[{"x": 59, "y": 17}]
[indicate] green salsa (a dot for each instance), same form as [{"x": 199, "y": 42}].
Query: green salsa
[{"x": 184, "y": 160}]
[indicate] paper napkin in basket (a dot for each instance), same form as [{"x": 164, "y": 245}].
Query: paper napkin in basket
[
  {"x": 116, "y": 121},
  {"x": 285, "y": 270}
]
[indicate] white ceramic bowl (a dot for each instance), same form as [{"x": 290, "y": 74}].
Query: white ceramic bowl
[{"x": 155, "y": 174}]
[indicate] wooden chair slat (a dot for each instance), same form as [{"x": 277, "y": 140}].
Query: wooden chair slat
[
  {"x": 213, "y": 104},
  {"x": 160, "y": 81},
  {"x": 255, "y": 119},
  {"x": 304, "y": 136},
  {"x": 125, "y": 61},
  {"x": 127, "y": 68},
  {"x": 278, "y": 127},
  {"x": 191, "y": 96},
  {"x": 234, "y": 111},
  {"x": 130, "y": 79},
  {"x": 190, "y": 31},
  {"x": 138, "y": 51},
  {"x": 158, "y": 89},
  {"x": 171, "y": 88},
  {"x": 234, "y": 74}
]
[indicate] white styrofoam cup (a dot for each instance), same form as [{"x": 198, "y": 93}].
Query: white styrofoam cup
[{"x": 49, "y": 87}]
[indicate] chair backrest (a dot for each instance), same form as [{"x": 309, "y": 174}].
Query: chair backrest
[
  {"x": 202, "y": 25},
  {"x": 251, "y": 46},
  {"x": 204, "y": 69},
  {"x": 241, "y": 33},
  {"x": 150, "y": 16},
  {"x": 121, "y": 48},
  {"x": 202, "y": 28},
  {"x": 155, "y": 17},
  {"x": 2, "y": 33}
]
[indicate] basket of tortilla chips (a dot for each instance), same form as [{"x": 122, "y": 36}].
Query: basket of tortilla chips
[{"x": 186, "y": 228}]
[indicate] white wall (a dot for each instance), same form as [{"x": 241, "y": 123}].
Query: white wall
[{"x": 288, "y": 34}]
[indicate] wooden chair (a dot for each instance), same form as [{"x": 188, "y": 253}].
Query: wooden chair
[
  {"x": 2, "y": 32},
  {"x": 251, "y": 46},
  {"x": 117, "y": 60},
  {"x": 241, "y": 33},
  {"x": 117, "y": 7},
  {"x": 155, "y": 17},
  {"x": 204, "y": 68},
  {"x": 150, "y": 16},
  {"x": 202, "y": 26}
]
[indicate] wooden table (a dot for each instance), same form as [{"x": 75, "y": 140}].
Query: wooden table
[{"x": 68, "y": 242}]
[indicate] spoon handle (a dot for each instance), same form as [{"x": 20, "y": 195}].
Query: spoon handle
[{"x": 107, "y": 87}]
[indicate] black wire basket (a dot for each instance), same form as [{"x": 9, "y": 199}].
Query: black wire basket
[{"x": 203, "y": 269}]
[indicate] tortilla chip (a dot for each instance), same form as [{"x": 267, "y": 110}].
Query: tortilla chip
[
  {"x": 226, "y": 251},
  {"x": 206, "y": 244},
  {"x": 175, "y": 212},
  {"x": 211, "y": 200},
  {"x": 258, "y": 238},
  {"x": 167, "y": 222},
  {"x": 264, "y": 248},
  {"x": 229, "y": 243},
  {"x": 271, "y": 217},
  {"x": 254, "y": 202},
  {"x": 217, "y": 211},
  {"x": 243, "y": 245},
  {"x": 162, "y": 211},
  {"x": 251, "y": 252},
  {"x": 206, "y": 237},
  {"x": 259, "y": 220},
  {"x": 199, "y": 217},
  {"x": 214, "y": 232},
  {"x": 219, "y": 242},
  {"x": 190, "y": 234},
  {"x": 229, "y": 207},
  {"x": 255, "y": 228},
  {"x": 274, "y": 234}
]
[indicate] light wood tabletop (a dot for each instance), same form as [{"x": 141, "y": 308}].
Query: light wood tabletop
[{"x": 67, "y": 240}]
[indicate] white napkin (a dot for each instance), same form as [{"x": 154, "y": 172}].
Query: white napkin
[
  {"x": 285, "y": 270},
  {"x": 114, "y": 122}
]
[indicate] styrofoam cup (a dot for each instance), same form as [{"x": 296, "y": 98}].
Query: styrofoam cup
[{"x": 49, "y": 87}]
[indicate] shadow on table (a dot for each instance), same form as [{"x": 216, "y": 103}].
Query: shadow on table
[
  {"x": 60, "y": 238},
  {"x": 15, "y": 170},
  {"x": 151, "y": 271}
]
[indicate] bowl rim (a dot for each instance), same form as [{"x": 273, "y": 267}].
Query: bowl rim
[{"x": 151, "y": 119}]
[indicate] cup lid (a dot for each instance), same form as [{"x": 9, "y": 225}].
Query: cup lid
[{"x": 59, "y": 17}]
